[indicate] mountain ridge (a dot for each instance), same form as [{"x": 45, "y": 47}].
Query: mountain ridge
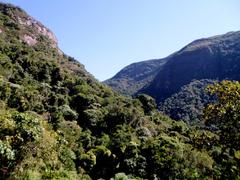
[
  {"x": 159, "y": 86},
  {"x": 209, "y": 58},
  {"x": 141, "y": 72},
  {"x": 58, "y": 122}
]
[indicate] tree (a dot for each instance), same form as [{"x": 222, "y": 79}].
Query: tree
[
  {"x": 148, "y": 103},
  {"x": 225, "y": 114},
  {"x": 224, "y": 118}
]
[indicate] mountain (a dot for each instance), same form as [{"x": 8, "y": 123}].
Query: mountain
[
  {"x": 178, "y": 83},
  {"x": 188, "y": 103},
  {"x": 135, "y": 76},
  {"x": 215, "y": 58},
  {"x": 58, "y": 122}
]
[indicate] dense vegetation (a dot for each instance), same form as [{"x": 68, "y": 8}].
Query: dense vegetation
[
  {"x": 189, "y": 102},
  {"x": 135, "y": 76},
  {"x": 215, "y": 58},
  {"x": 58, "y": 122}
]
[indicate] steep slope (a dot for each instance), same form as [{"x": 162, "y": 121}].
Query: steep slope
[
  {"x": 21, "y": 35},
  {"x": 215, "y": 58},
  {"x": 210, "y": 58},
  {"x": 58, "y": 122},
  {"x": 135, "y": 76},
  {"x": 188, "y": 103}
]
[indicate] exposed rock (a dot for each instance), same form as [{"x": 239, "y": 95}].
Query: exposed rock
[
  {"x": 60, "y": 51},
  {"x": 31, "y": 41},
  {"x": 31, "y": 22}
]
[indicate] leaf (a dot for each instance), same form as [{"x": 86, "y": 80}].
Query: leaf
[{"x": 237, "y": 154}]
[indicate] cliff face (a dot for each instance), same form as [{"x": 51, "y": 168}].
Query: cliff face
[
  {"x": 28, "y": 22},
  {"x": 30, "y": 30},
  {"x": 18, "y": 30}
]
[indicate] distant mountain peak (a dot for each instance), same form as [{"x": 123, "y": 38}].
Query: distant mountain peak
[
  {"x": 211, "y": 41},
  {"x": 216, "y": 57},
  {"x": 135, "y": 76}
]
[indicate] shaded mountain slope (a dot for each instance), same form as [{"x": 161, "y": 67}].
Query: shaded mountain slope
[
  {"x": 135, "y": 76},
  {"x": 178, "y": 83},
  {"x": 188, "y": 103},
  {"x": 217, "y": 58}
]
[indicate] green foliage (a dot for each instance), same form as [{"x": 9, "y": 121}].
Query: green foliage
[
  {"x": 27, "y": 126},
  {"x": 68, "y": 113},
  {"x": 225, "y": 113},
  {"x": 189, "y": 102},
  {"x": 224, "y": 116},
  {"x": 121, "y": 176},
  {"x": 7, "y": 155},
  {"x": 135, "y": 76},
  {"x": 148, "y": 103},
  {"x": 58, "y": 122}
]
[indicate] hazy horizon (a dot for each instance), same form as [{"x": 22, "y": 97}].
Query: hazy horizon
[{"x": 107, "y": 35}]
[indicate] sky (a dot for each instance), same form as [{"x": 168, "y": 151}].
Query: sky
[{"x": 107, "y": 35}]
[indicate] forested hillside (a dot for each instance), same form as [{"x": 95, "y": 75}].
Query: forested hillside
[
  {"x": 58, "y": 122},
  {"x": 188, "y": 104},
  {"x": 215, "y": 58},
  {"x": 134, "y": 77}
]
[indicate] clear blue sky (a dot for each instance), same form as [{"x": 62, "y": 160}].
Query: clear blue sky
[{"x": 106, "y": 35}]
